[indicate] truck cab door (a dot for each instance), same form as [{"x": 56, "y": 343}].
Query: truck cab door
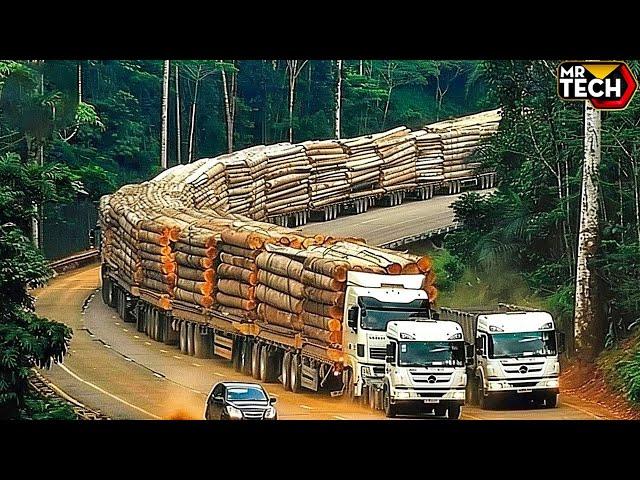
[{"x": 352, "y": 320}]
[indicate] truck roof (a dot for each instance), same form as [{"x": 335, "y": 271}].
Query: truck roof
[
  {"x": 377, "y": 280},
  {"x": 512, "y": 322},
  {"x": 424, "y": 330}
]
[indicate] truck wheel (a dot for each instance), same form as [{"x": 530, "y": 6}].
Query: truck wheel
[
  {"x": 255, "y": 361},
  {"x": 364, "y": 397},
  {"x": 246, "y": 357},
  {"x": 183, "y": 337},
  {"x": 349, "y": 387},
  {"x": 296, "y": 374},
  {"x": 390, "y": 410},
  {"x": 373, "y": 404},
  {"x": 551, "y": 401},
  {"x": 190, "y": 329},
  {"x": 485, "y": 402},
  {"x": 236, "y": 357},
  {"x": 286, "y": 369},
  {"x": 265, "y": 365},
  {"x": 453, "y": 412}
]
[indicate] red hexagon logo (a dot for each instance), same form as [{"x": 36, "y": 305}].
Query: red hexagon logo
[{"x": 607, "y": 85}]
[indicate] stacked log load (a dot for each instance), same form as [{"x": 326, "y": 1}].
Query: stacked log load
[
  {"x": 430, "y": 157},
  {"x": 397, "y": 149},
  {"x": 363, "y": 166},
  {"x": 256, "y": 160},
  {"x": 239, "y": 181},
  {"x": 286, "y": 176},
  {"x": 460, "y": 139},
  {"x": 329, "y": 181}
]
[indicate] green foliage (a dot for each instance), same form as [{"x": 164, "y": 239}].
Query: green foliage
[
  {"x": 25, "y": 339},
  {"x": 41, "y": 408},
  {"x": 621, "y": 368}
]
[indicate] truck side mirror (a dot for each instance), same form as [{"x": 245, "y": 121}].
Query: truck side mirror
[
  {"x": 479, "y": 349},
  {"x": 560, "y": 339},
  {"x": 352, "y": 318},
  {"x": 470, "y": 353},
  {"x": 391, "y": 354}
]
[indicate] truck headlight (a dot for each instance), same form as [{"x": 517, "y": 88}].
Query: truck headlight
[
  {"x": 234, "y": 413},
  {"x": 552, "y": 383},
  {"x": 366, "y": 371},
  {"x": 492, "y": 371},
  {"x": 495, "y": 385},
  {"x": 403, "y": 395},
  {"x": 270, "y": 413}
]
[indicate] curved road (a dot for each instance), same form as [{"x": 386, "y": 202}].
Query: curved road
[{"x": 115, "y": 369}]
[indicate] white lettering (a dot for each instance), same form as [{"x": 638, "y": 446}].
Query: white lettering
[
  {"x": 614, "y": 91},
  {"x": 592, "y": 88},
  {"x": 580, "y": 89},
  {"x": 579, "y": 71},
  {"x": 566, "y": 72},
  {"x": 566, "y": 86}
]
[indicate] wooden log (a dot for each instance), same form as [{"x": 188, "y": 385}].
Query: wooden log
[
  {"x": 238, "y": 251},
  {"x": 285, "y": 285},
  {"x": 248, "y": 240},
  {"x": 194, "y": 261},
  {"x": 275, "y": 316},
  {"x": 322, "y": 309},
  {"x": 237, "y": 273},
  {"x": 328, "y": 297},
  {"x": 321, "y": 281},
  {"x": 335, "y": 269},
  {"x": 324, "y": 336},
  {"x": 318, "y": 321},
  {"x": 278, "y": 299},
  {"x": 238, "y": 261},
  {"x": 235, "y": 302},
  {"x": 236, "y": 288},
  {"x": 280, "y": 265}
]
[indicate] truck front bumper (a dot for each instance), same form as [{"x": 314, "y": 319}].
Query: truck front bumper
[
  {"x": 545, "y": 385},
  {"x": 429, "y": 396}
]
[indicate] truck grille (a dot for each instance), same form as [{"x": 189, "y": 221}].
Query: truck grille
[
  {"x": 435, "y": 378},
  {"x": 377, "y": 353}
]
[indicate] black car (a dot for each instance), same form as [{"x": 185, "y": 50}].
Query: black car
[{"x": 239, "y": 401}]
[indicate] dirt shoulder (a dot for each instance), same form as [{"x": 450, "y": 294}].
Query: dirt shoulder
[{"x": 584, "y": 387}]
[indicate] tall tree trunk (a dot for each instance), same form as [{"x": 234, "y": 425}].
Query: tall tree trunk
[
  {"x": 587, "y": 315},
  {"x": 361, "y": 70},
  {"x": 36, "y": 223},
  {"x": 192, "y": 126},
  {"x": 79, "y": 82},
  {"x": 386, "y": 107},
  {"x": 292, "y": 87},
  {"x": 178, "y": 122},
  {"x": 338, "y": 97},
  {"x": 634, "y": 167},
  {"x": 165, "y": 115},
  {"x": 229, "y": 90}
]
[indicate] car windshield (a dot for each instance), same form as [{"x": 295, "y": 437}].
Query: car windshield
[
  {"x": 522, "y": 344},
  {"x": 375, "y": 315},
  {"x": 245, "y": 393},
  {"x": 427, "y": 354}
]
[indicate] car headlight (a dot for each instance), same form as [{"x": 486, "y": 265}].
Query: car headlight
[
  {"x": 234, "y": 413},
  {"x": 270, "y": 413}
]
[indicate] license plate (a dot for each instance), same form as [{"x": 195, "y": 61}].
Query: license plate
[
  {"x": 431, "y": 400},
  {"x": 523, "y": 390}
]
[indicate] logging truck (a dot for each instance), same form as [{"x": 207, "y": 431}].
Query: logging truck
[
  {"x": 271, "y": 353},
  {"x": 515, "y": 354}
]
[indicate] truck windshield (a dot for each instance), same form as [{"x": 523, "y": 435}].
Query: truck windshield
[
  {"x": 428, "y": 354},
  {"x": 522, "y": 344},
  {"x": 376, "y": 314}
]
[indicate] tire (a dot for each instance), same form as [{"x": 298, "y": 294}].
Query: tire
[
  {"x": 454, "y": 412},
  {"x": 183, "y": 337},
  {"x": 286, "y": 371},
  {"x": 190, "y": 349},
  {"x": 255, "y": 361},
  {"x": 485, "y": 402},
  {"x": 364, "y": 397},
  {"x": 551, "y": 401},
  {"x": 373, "y": 405},
  {"x": 296, "y": 373},
  {"x": 390, "y": 410},
  {"x": 245, "y": 363},
  {"x": 349, "y": 389},
  {"x": 264, "y": 364},
  {"x": 236, "y": 359}
]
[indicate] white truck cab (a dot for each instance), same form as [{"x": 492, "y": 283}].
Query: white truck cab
[
  {"x": 371, "y": 302},
  {"x": 425, "y": 368},
  {"x": 516, "y": 354}
]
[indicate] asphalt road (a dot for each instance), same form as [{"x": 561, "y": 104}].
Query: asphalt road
[
  {"x": 115, "y": 369},
  {"x": 385, "y": 224},
  {"x": 119, "y": 371}
]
